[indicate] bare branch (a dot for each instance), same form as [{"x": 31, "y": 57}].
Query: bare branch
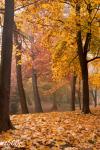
[
  {"x": 24, "y": 6},
  {"x": 24, "y": 35},
  {"x": 97, "y": 57},
  {"x": 21, "y": 7},
  {"x": 94, "y": 15},
  {"x": 73, "y": 59}
]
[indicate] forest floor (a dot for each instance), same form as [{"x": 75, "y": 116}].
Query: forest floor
[{"x": 53, "y": 131}]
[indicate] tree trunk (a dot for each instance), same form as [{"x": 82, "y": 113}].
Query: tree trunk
[
  {"x": 19, "y": 73},
  {"x": 20, "y": 84},
  {"x": 37, "y": 101},
  {"x": 82, "y": 53},
  {"x": 54, "y": 102},
  {"x": 85, "y": 108},
  {"x": 73, "y": 89},
  {"x": 79, "y": 94},
  {"x": 94, "y": 95},
  {"x": 6, "y": 59},
  {"x": 95, "y": 99}
]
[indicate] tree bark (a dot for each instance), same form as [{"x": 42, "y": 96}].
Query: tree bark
[
  {"x": 85, "y": 107},
  {"x": 20, "y": 85},
  {"x": 19, "y": 73},
  {"x": 37, "y": 101},
  {"x": 73, "y": 90},
  {"x": 79, "y": 94},
  {"x": 6, "y": 59}
]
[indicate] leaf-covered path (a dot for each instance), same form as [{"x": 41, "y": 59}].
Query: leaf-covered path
[{"x": 53, "y": 131}]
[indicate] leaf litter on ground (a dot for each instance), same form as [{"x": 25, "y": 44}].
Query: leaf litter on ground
[{"x": 53, "y": 131}]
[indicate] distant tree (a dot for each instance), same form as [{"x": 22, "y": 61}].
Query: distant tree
[
  {"x": 73, "y": 91},
  {"x": 94, "y": 95},
  {"x": 79, "y": 92},
  {"x": 37, "y": 100},
  {"x": 54, "y": 108}
]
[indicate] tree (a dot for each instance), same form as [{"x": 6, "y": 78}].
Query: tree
[
  {"x": 54, "y": 108},
  {"x": 19, "y": 72},
  {"x": 6, "y": 58},
  {"x": 81, "y": 30},
  {"x": 38, "y": 107},
  {"x": 94, "y": 80},
  {"x": 37, "y": 100},
  {"x": 33, "y": 64},
  {"x": 83, "y": 52},
  {"x": 79, "y": 92},
  {"x": 94, "y": 95},
  {"x": 73, "y": 91}
]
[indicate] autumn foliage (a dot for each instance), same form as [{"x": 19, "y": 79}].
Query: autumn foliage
[{"x": 50, "y": 74}]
